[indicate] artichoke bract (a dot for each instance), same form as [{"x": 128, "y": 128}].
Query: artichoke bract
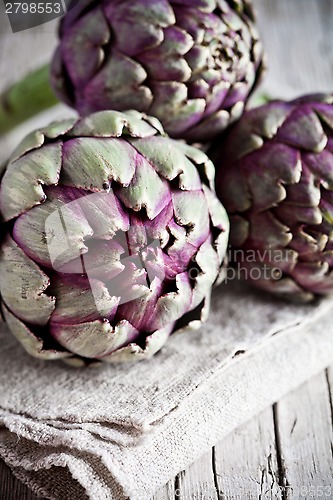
[
  {"x": 192, "y": 64},
  {"x": 275, "y": 178},
  {"x": 112, "y": 238}
]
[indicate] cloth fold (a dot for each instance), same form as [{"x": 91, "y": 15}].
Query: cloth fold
[{"x": 123, "y": 431}]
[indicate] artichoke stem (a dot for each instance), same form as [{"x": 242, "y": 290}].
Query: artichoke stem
[{"x": 25, "y": 99}]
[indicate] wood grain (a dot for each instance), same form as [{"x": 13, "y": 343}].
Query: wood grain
[
  {"x": 284, "y": 453},
  {"x": 305, "y": 438},
  {"x": 246, "y": 461},
  {"x": 298, "y": 39},
  {"x": 167, "y": 492},
  {"x": 197, "y": 482},
  {"x": 11, "y": 488}
]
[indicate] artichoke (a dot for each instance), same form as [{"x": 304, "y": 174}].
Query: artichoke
[
  {"x": 112, "y": 238},
  {"x": 192, "y": 64},
  {"x": 275, "y": 178}
]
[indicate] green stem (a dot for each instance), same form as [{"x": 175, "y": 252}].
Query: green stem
[{"x": 25, "y": 99}]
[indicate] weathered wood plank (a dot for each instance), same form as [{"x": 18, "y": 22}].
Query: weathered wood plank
[
  {"x": 329, "y": 379},
  {"x": 166, "y": 493},
  {"x": 11, "y": 488},
  {"x": 298, "y": 39},
  {"x": 305, "y": 438},
  {"x": 246, "y": 462},
  {"x": 197, "y": 482}
]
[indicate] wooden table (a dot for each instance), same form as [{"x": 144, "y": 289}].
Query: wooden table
[
  {"x": 283, "y": 453},
  {"x": 286, "y": 452}
]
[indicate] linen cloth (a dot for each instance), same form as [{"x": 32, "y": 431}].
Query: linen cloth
[{"x": 122, "y": 431}]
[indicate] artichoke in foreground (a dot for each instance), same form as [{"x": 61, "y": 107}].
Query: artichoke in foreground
[
  {"x": 192, "y": 64},
  {"x": 275, "y": 178},
  {"x": 112, "y": 238}
]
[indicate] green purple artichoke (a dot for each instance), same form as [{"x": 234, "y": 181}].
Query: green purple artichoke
[
  {"x": 275, "y": 178},
  {"x": 112, "y": 238},
  {"x": 190, "y": 63}
]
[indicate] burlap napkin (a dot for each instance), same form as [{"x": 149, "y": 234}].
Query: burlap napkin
[{"x": 123, "y": 431}]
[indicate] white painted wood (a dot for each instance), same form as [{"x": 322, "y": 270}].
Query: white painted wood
[
  {"x": 298, "y": 39},
  {"x": 197, "y": 482},
  {"x": 166, "y": 493},
  {"x": 250, "y": 464},
  {"x": 329, "y": 379},
  {"x": 305, "y": 439},
  {"x": 246, "y": 462}
]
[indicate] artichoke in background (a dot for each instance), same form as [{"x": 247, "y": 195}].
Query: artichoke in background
[
  {"x": 275, "y": 178},
  {"x": 112, "y": 238},
  {"x": 192, "y": 64}
]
